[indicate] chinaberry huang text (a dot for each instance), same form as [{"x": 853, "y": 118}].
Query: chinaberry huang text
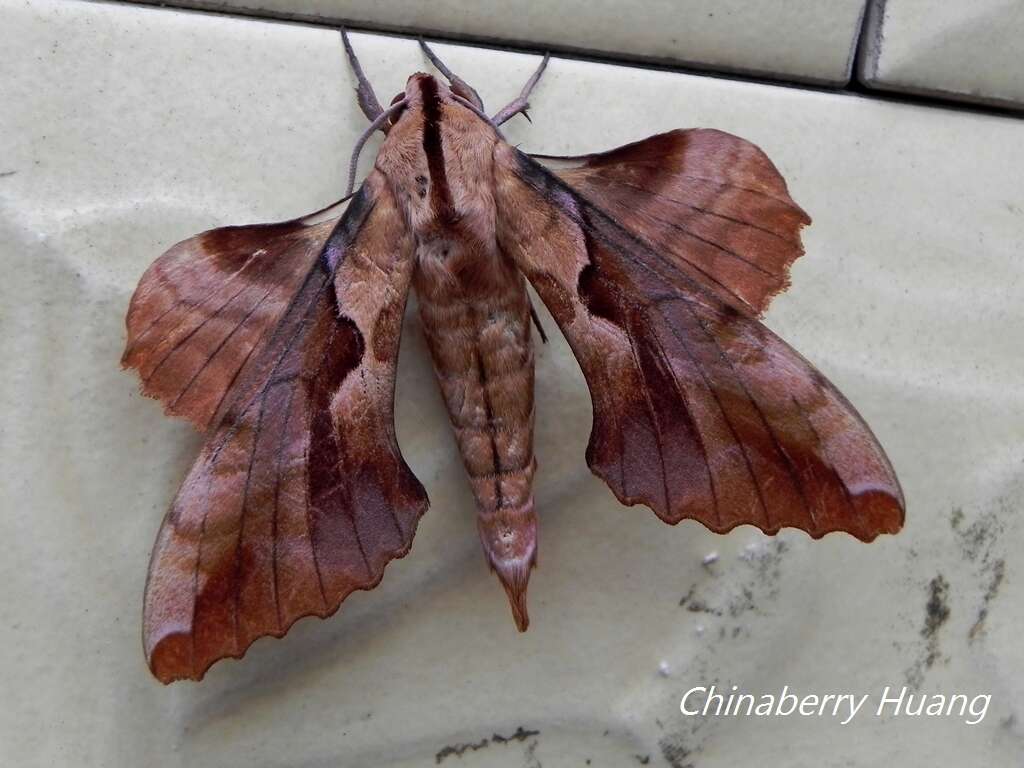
[{"x": 890, "y": 702}]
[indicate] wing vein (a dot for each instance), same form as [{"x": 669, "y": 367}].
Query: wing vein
[
  {"x": 283, "y": 438},
  {"x": 197, "y": 304},
  {"x": 655, "y": 423},
  {"x": 713, "y": 244},
  {"x": 700, "y": 209},
  {"x": 309, "y": 531},
  {"x": 711, "y": 278},
  {"x": 245, "y": 508},
  {"x": 824, "y": 453},
  {"x": 724, "y": 412},
  {"x": 178, "y": 344},
  {"x": 296, "y": 334},
  {"x": 219, "y": 347},
  {"x": 391, "y": 511},
  {"x": 757, "y": 407},
  {"x": 699, "y": 438},
  {"x": 709, "y": 180}
]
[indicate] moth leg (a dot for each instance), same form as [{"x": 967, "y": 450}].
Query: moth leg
[
  {"x": 364, "y": 91},
  {"x": 378, "y": 124},
  {"x": 521, "y": 103},
  {"x": 459, "y": 86}
]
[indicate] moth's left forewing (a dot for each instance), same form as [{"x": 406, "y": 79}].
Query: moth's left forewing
[
  {"x": 300, "y": 494},
  {"x": 699, "y": 410}
]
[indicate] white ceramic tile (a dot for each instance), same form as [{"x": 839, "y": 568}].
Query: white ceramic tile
[
  {"x": 967, "y": 51},
  {"x": 126, "y": 128},
  {"x": 806, "y": 40}
]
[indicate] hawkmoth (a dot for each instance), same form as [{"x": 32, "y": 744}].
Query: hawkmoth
[{"x": 655, "y": 260}]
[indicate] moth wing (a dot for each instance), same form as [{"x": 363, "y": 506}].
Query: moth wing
[
  {"x": 700, "y": 411},
  {"x": 711, "y": 202},
  {"x": 204, "y": 308},
  {"x": 300, "y": 494}
]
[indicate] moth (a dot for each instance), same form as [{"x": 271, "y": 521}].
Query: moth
[{"x": 280, "y": 340}]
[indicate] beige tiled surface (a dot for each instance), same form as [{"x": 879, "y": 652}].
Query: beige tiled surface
[
  {"x": 806, "y": 40},
  {"x": 970, "y": 51},
  {"x": 126, "y": 128}
]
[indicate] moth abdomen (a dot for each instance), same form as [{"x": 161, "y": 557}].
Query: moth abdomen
[{"x": 478, "y": 331}]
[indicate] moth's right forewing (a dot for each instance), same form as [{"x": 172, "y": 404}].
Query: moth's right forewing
[
  {"x": 710, "y": 202},
  {"x": 699, "y": 410}
]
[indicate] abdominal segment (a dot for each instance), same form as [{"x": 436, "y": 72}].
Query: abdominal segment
[{"x": 477, "y": 325}]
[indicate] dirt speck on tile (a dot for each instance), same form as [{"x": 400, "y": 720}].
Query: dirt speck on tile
[
  {"x": 458, "y": 750},
  {"x": 936, "y": 614},
  {"x": 675, "y": 752},
  {"x": 998, "y": 574},
  {"x": 979, "y": 544}
]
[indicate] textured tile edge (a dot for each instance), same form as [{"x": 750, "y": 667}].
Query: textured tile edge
[
  {"x": 948, "y": 99},
  {"x": 870, "y": 51},
  {"x": 621, "y": 58},
  {"x": 870, "y": 44},
  {"x": 853, "y": 55}
]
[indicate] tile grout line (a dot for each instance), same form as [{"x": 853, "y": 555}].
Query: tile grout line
[
  {"x": 853, "y": 87},
  {"x": 869, "y": 53}
]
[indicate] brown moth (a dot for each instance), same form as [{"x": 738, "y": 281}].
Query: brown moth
[{"x": 280, "y": 340}]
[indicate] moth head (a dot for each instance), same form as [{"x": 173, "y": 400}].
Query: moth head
[{"x": 421, "y": 86}]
